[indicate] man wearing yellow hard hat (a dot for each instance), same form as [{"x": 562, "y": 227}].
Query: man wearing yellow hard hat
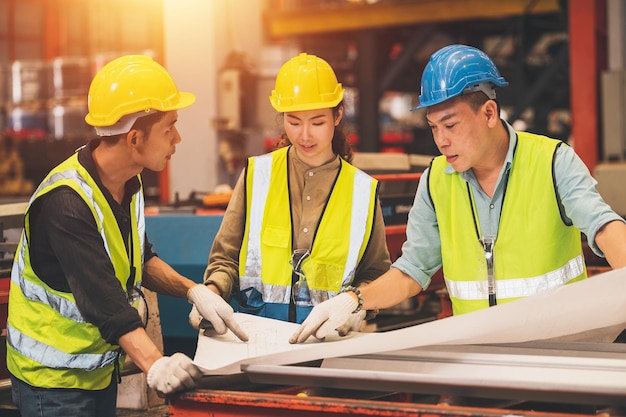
[
  {"x": 84, "y": 256},
  {"x": 303, "y": 224}
]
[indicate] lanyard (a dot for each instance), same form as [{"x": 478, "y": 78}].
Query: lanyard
[{"x": 488, "y": 242}]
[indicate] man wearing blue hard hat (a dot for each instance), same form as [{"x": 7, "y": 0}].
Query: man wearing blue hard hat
[{"x": 500, "y": 210}]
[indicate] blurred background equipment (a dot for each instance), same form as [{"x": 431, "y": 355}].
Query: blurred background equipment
[{"x": 12, "y": 180}]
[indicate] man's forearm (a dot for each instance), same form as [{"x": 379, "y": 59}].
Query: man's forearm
[
  {"x": 140, "y": 348},
  {"x": 611, "y": 239},
  {"x": 158, "y": 276},
  {"x": 390, "y": 289}
]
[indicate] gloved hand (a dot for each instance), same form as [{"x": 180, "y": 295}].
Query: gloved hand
[
  {"x": 197, "y": 321},
  {"x": 173, "y": 373},
  {"x": 195, "y": 318},
  {"x": 353, "y": 324},
  {"x": 326, "y": 317},
  {"x": 214, "y": 309}
]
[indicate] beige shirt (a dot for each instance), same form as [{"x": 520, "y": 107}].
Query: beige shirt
[{"x": 310, "y": 188}]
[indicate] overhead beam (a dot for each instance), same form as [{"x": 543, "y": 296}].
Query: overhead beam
[{"x": 354, "y": 17}]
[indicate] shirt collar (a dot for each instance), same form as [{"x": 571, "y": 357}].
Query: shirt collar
[
  {"x": 302, "y": 167},
  {"x": 512, "y": 143}
]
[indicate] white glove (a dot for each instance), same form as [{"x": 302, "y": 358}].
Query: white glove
[
  {"x": 213, "y": 308},
  {"x": 195, "y": 318},
  {"x": 173, "y": 373},
  {"x": 326, "y": 317},
  {"x": 353, "y": 324},
  {"x": 198, "y": 322}
]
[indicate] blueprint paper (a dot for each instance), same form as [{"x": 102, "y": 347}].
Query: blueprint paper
[
  {"x": 223, "y": 355},
  {"x": 594, "y": 304}
]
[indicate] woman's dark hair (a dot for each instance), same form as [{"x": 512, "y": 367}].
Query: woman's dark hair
[{"x": 340, "y": 143}]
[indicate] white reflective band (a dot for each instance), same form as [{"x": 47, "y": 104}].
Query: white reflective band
[
  {"x": 360, "y": 210},
  {"x": 54, "y": 358},
  {"x": 260, "y": 187},
  {"x": 280, "y": 294},
  {"x": 35, "y": 292},
  {"x": 141, "y": 222},
  {"x": 517, "y": 287}
]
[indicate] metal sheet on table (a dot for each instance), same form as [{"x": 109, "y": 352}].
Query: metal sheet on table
[{"x": 575, "y": 373}]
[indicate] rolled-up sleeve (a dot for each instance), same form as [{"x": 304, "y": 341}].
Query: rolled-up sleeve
[{"x": 579, "y": 195}]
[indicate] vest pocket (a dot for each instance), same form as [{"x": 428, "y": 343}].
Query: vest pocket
[
  {"x": 275, "y": 237},
  {"x": 325, "y": 276}
]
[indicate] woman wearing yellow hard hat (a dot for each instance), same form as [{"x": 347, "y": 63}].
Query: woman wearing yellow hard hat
[
  {"x": 84, "y": 257},
  {"x": 303, "y": 224}
]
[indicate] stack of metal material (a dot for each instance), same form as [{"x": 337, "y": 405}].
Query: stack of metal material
[
  {"x": 48, "y": 99},
  {"x": 69, "y": 80},
  {"x": 26, "y": 112}
]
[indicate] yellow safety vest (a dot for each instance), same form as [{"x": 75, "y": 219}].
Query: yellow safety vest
[
  {"x": 49, "y": 343},
  {"x": 536, "y": 249},
  {"x": 340, "y": 240}
]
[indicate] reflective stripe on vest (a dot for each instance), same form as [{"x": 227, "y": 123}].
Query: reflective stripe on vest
[
  {"x": 260, "y": 187},
  {"x": 518, "y": 287},
  {"x": 535, "y": 250},
  {"x": 54, "y": 358},
  {"x": 33, "y": 355},
  {"x": 354, "y": 189}
]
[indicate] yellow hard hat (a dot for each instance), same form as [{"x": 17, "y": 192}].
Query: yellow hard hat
[
  {"x": 132, "y": 84},
  {"x": 306, "y": 82}
]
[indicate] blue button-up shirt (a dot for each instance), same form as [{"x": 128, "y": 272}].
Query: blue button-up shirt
[{"x": 421, "y": 253}]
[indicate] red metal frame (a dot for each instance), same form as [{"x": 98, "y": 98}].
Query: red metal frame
[
  {"x": 217, "y": 403},
  {"x": 409, "y": 176},
  {"x": 587, "y": 36}
]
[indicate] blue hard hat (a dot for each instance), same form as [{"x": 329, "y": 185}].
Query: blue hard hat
[{"x": 457, "y": 69}]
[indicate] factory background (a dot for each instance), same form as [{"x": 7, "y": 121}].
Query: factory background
[{"x": 564, "y": 61}]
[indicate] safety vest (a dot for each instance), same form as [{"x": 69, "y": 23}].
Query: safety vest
[
  {"x": 344, "y": 230},
  {"x": 536, "y": 249},
  {"x": 49, "y": 343}
]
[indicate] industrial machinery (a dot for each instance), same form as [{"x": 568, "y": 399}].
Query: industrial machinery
[{"x": 525, "y": 379}]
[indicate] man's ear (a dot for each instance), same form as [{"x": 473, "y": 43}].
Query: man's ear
[
  {"x": 132, "y": 137},
  {"x": 490, "y": 110}
]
